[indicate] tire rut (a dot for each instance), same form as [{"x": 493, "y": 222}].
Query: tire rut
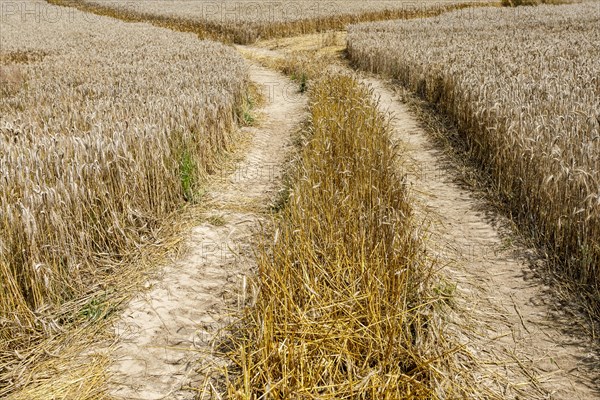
[
  {"x": 165, "y": 335},
  {"x": 507, "y": 319}
]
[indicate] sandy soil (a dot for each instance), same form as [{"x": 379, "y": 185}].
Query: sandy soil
[
  {"x": 527, "y": 348},
  {"x": 166, "y": 333}
]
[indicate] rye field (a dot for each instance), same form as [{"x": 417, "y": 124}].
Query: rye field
[{"x": 279, "y": 206}]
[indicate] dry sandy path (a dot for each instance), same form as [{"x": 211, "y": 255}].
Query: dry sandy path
[
  {"x": 514, "y": 330},
  {"x": 528, "y": 348},
  {"x": 165, "y": 334}
]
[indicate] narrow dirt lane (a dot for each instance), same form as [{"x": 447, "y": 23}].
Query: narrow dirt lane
[
  {"x": 527, "y": 347},
  {"x": 513, "y": 328},
  {"x": 166, "y": 333}
]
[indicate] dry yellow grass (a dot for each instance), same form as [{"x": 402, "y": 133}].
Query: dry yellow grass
[
  {"x": 106, "y": 129},
  {"x": 524, "y": 91},
  {"x": 246, "y": 21},
  {"x": 348, "y": 303}
]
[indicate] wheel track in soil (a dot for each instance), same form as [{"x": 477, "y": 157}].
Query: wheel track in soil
[
  {"x": 526, "y": 346},
  {"x": 165, "y": 334},
  {"x": 514, "y": 328},
  {"x": 519, "y": 338}
]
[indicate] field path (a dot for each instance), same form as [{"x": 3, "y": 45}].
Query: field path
[
  {"x": 165, "y": 334},
  {"x": 527, "y": 348},
  {"x": 515, "y": 330}
]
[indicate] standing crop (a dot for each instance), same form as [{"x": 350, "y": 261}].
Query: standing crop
[
  {"x": 522, "y": 85},
  {"x": 106, "y": 129},
  {"x": 248, "y": 21}
]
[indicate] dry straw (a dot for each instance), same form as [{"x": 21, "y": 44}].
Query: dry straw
[
  {"x": 346, "y": 307},
  {"x": 525, "y": 92}
]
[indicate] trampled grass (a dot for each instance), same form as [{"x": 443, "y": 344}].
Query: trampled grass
[{"x": 346, "y": 306}]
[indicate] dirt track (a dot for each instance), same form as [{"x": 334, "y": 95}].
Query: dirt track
[
  {"x": 512, "y": 327},
  {"x": 526, "y": 347},
  {"x": 165, "y": 334},
  {"x": 504, "y": 316}
]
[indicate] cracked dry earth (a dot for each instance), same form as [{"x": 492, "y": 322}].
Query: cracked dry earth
[{"x": 165, "y": 334}]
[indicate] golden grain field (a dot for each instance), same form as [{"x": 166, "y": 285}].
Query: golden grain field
[
  {"x": 522, "y": 84},
  {"x": 246, "y": 21},
  {"x": 106, "y": 128},
  {"x": 115, "y": 115}
]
